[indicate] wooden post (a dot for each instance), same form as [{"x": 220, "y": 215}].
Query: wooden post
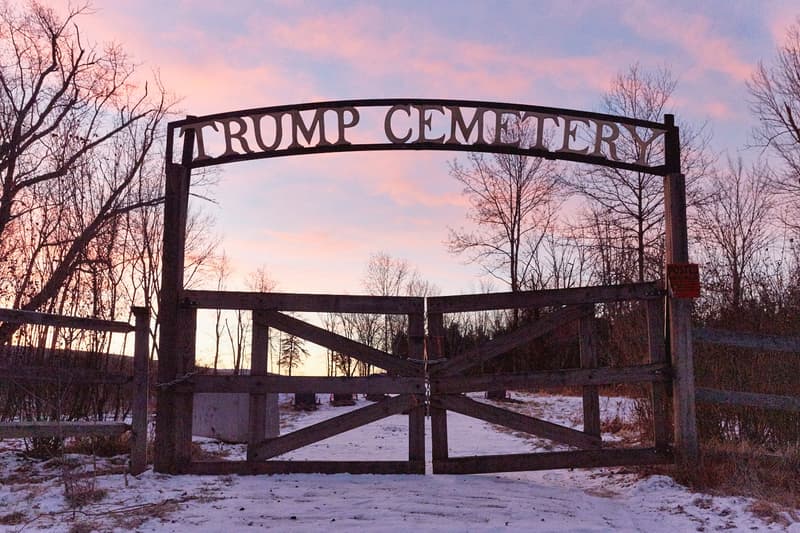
[
  {"x": 591, "y": 398},
  {"x": 416, "y": 416},
  {"x": 680, "y": 324},
  {"x": 184, "y": 401},
  {"x": 141, "y": 390},
  {"x": 438, "y": 416},
  {"x": 176, "y": 200},
  {"x": 259, "y": 356},
  {"x": 658, "y": 354}
]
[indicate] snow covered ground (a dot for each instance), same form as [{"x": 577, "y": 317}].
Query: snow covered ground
[{"x": 32, "y": 495}]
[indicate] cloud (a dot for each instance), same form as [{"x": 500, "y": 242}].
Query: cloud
[{"x": 693, "y": 34}]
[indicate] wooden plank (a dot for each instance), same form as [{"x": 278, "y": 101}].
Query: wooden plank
[
  {"x": 19, "y": 430},
  {"x": 658, "y": 390},
  {"x": 314, "y": 303},
  {"x": 544, "y": 298},
  {"x": 416, "y": 416},
  {"x": 17, "y": 316},
  {"x": 333, "y": 426},
  {"x": 552, "y": 378},
  {"x": 67, "y": 376},
  {"x": 754, "y": 341},
  {"x": 141, "y": 390},
  {"x": 176, "y": 186},
  {"x": 274, "y": 383},
  {"x": 748, "y": 399},
  {"x": 436, "y": 355},
  {"x": 184, "y": 402},
  {"x": 534, "y": 426},
  {"x": 439, "y": 444},
  {"x": 501, "y": 345},
  {"x": 338, "y": 343},
  {"x": 551, "y": 460},
  {"x": 218, "y": 468},
  {"x": 680, "y": 324},
  {"x": 259, "y": 358},
  {"x": 588, "y": 357}
]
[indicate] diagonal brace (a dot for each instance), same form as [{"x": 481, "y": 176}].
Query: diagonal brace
[
  {"x": 341, "y": 344},
  {"x": 333, "y": 426},
  {"x": 500, "y": 345},
  {"x": 534, "y": 426}
]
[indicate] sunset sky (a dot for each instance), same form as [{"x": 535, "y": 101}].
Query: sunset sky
[{"x": 313, "y": 221}]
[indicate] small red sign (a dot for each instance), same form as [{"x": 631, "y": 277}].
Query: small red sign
[{"x": 684, "y": 280}]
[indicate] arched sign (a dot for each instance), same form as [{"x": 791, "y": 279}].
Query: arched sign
[{"x": 427, "y": 124}]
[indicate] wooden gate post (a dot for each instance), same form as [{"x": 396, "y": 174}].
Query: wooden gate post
[
  {"x": 438, "y": 416},
  {"x": 680, "y": 310},
  {"x": 259, "y": 357},
  {"x": 141, "y": 389},
  {"x": 416, "y": 416},
  {"x": 588, "y": 355},
  {"x": 176, "y": 205}
]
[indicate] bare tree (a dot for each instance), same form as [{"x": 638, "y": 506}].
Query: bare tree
[
  {"x": 513, "y": 202},
  {"x": 734, "y": 228},
  {"x": 627, "y": 206},
  {"x": 775, "y": 92},
  {"x": 76, "y": 139}
]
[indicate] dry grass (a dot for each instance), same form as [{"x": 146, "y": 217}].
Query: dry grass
[
  {"x": 739, "y": 470},
  {"x": 100, "y": 446},
  {"x": 12, "y": 519},
  {"x": 81, "y": 490}
]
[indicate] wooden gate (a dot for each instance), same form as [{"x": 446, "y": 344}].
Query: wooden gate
[
  {"x": 429, "y": 380},
  {"x": 405, "y": 381},
  {"x": 450, "y": 378}
]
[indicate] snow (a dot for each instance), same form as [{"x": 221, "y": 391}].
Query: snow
[{"x": 560, "y": 500}]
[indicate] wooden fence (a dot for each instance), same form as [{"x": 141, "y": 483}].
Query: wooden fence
[
  {"x": 753, "y": 341},
  {"x": 138, "y": 381}
]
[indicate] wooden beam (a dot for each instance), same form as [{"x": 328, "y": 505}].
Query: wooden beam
[
  {"x": 218, "y": 468},
  {"x": 338, "y": 343},
  {"x": 16, "y": 316},
  {"x": 175, "y": 190},
  {"x": 416, "y": 416},
  {"x": 551, "y": 378},
  {"x": 184, "y": 402},
  {"x": 19, "y": 430},
  {"x": 658, "y": 390},
  {"x": 534, "y": 426},
  {"x": 333, "y": 426},
  {"x": 588, "y": 356},
  {"x": 436, "y": 352},
  {"x": 680, "y": 324},
  {"x": 749, "y": 399},
  {"x": 545, "y": 298},
  {"x": 483, "y": 464},
  {"x": 141, "y": 390},
  {"x": 754, "y": 341},
  {"x": 314, "y": 303},
  {"x": 273, "y": 383},
  {"x": 259, "y": 357},
  {"x": 501, "y": 345},
  {"x": 66, "y": 376}
]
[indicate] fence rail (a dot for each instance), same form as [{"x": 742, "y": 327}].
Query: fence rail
[
  {"x": 78, "y": 376},
  {"x": 753, "y": 341}
]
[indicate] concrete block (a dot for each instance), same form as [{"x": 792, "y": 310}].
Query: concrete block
[{"x": 226, "y": 416}]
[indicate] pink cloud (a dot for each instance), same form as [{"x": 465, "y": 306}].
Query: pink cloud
[{"x": 694, "y": 34}]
